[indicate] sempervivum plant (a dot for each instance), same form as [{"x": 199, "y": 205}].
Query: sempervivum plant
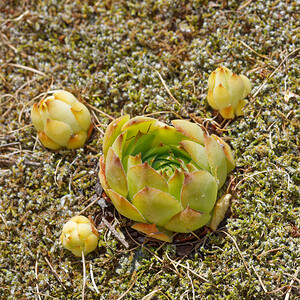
[
  {"x": 226, "y": 92},
  {"x": 165, "y": 178},
  {"x": 61, "y": 121},
  {"x": 79, "y": 235}
]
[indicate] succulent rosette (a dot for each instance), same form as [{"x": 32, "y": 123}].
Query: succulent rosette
[
  {"x": 226, "y": 92},
  {"x": 163, "y": 177},
  {"x": 79, "y": 236},
  {"x": 61, "y": 121}
]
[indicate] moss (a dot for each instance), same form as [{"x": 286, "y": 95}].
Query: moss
[{"x": 106, "y": 53}]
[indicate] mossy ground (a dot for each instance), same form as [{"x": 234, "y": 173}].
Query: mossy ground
[{"x": 106, "y": 53}]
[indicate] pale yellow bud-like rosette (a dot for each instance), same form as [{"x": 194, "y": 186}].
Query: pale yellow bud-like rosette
[
  {"x": 226, "y": 92},
  {"x": 61, "y": 121},
  {"x": 79, "y": 235}
]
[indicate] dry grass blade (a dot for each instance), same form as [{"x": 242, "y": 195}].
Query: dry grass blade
[
  {"x": 130, "y": 287},
  {"x": 271, "y": 250},
  {"x": 150, "y": 295},
  {"x": 83, "y": 275},
  {"x": 54, "y": 272},
  {"x": 28, "y": 69},
  {"x": 239, "y": 251},
  {"x": 36, "y": 276},
  {"x": 91, "y": 204},
  {"x": 15, "y": 19},
  {"x": 93, "y": 280},
  {"x": 244, "y": 5},
  {"x": 287, "y": 296},
  {"x": 115, "y": 233},
  {"x": 98, "y": 110},
  {"x": 263, "y": 56},
  {"x": 187, "y": 268},
  {"x": 260, "y": 280},
  {"x": 172, "y": 97},
  {"x": 282, "y": 62}
]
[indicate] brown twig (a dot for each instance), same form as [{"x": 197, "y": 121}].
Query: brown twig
[
  {"x": 170, "y": 94},
  {"x": 115, "y": 233},
  {"x": 28, "y": 69},
  {"x": 54, "y": 272},
  {"x": 84, "y": 275},
  {"x": 260, "y": 280},
  {"x": 238, "y": 249}
]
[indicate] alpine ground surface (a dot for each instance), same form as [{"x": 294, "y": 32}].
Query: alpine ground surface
[{"x": 109, "y": 54}]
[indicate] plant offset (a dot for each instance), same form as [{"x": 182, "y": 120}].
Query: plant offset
[
  {"x": 61, "y": 121},
  {"x": 79, "y": 236},
  {"x": 108, "y": 55},
  {"x": 165, "y": 178},
  {"x": 226, "y": 92}
]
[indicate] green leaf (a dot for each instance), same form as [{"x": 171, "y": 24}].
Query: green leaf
[
  {"x": 166, "y": 135},
  {"x": 139, "y": 124},
  {"x": 188, "y": 220},
  {"x": 197, "y": 153},
  {"x": 199, "y": 191},
  {"x": 175, "y": 185},
  {"x": 115, "y": 174},
  {"x": 156, "y": 206},
  {"x": 227, "y": 151},
  {"x": 124, "y": 207},
  {"x": 216, "y": 159},
  {"x": 112, "y": 131},
  {"x": 189, "y": 129},
  {"x": 118, "y": 144},
  {"x": 143, "y": 175}
]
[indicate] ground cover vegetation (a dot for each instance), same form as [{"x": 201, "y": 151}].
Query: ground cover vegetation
[{"x": 149, "y": 58}]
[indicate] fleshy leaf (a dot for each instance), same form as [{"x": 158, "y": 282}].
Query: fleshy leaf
[
  {"x": 118, "y": 144},
  {"x": 216, "y": 160},
  {"x": 199, "y": 191},
  {"x": 188, "y": 220},
  {"x": 36, "y": 118},
  {"x": 221, "y": 97},
  {"x": 141, "y": 143},
  {"x": 134, "y": 160},
  {"x": 219, "y": 211},
  {"x": 247, "y": 85},
  {"x": 101, "y": 174},
  {"x": 227, "y": 112},
  {"x": 156, "y": 206},
  {"x": 112, "y": 132},
  {"x": 58, "y": 131},
  {"x": 167, "y": 135},
  {"x": 60, "y": 111},
  {"x": 191, "y": 167},
  {"x": 197, "y": 153},
  {"x": 65, "y": 96},
  {"x": 211, "y": 80},
  {"x": 47, "y": 142},
  {"x": 143, "y": 175},
  {"x": 222, "y": 76},
  {"x": 152, "y": 231},
  {"x": 175, "y": 185},
  {"x": 210, "y": 99},
  {"x": 236, "y": 89},
  {"x": 77, "y": 140},
  {"x": 189, "y": 129},
  {"x": 136, "y": 124},
  {"x": 115, "y": 174},
  {"x": 125, "y": 208},
  {"x": 82, "y": 115},
  {"x": 240, "y": 107},
  {"x": 227, "y": 151},
  {"x": 158, "y": 150}
]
